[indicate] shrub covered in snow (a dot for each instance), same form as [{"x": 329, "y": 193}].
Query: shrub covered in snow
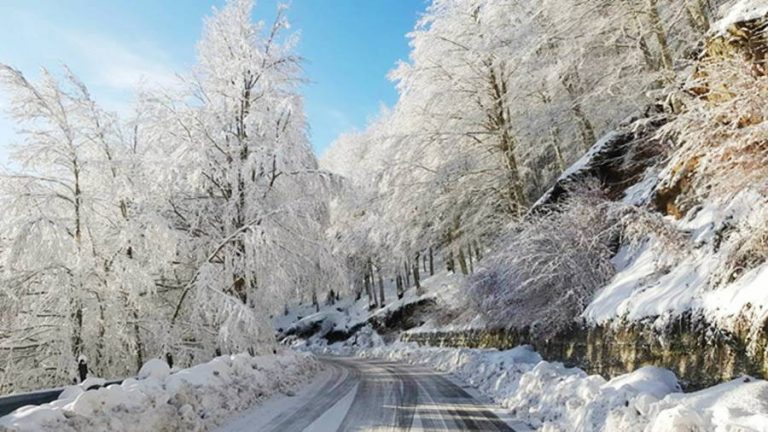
[
  {"x": 191, "y": 399},
  {"x": 549, "y": 267}
]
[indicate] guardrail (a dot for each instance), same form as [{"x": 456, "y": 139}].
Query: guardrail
[{"x": 10, "y": 403}]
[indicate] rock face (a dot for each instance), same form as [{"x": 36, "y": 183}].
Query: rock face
[
  {"x": 618, "y": 159},
  {"x": 746, "y": 37}
]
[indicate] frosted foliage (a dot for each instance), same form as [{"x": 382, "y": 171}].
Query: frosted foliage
[
  {"x": 177, "y": 231},
  {"x": 496, "y": 99},
  {"x": 549, "y": 267},
  {"x": 78, "y": 246},
  {"x": 250, "y": 195}
]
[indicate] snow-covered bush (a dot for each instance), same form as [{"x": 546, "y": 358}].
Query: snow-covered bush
[{"x": 548, "y": 268}]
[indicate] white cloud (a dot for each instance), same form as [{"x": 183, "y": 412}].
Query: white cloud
[
  {"x": 112, "y": 66},
  {"x": 120, "y": 65}
]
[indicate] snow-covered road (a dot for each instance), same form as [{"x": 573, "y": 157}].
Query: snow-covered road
[{"x": 371, "y": 395}]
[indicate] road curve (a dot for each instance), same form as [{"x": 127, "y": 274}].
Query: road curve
[{"x": 373, "y": 395}]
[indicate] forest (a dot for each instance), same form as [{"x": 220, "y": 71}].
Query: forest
[{"x": 179, "y": 231}]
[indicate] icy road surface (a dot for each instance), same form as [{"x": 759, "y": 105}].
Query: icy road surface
[{"x": 371, "y": 395}]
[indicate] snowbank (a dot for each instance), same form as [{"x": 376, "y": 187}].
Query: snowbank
[
  {"x": 191, "y": 399},
  {"x": 551, "y": 397}
]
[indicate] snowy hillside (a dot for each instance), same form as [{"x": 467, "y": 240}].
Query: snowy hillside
[{"x": 432, "y": 306}]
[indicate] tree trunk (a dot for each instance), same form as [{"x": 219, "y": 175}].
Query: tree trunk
[
  {"x": 416, "y": 276},
  {"x": 77, "y": 312},
  {"x": 500, "y": 124},
  {"x": 697, "y": 17},
  {"x": 77, "y": 331},
  {"x": 97, "y": 364},
  {"x": 358, "y": 290},
  {"x": 373, "y": 286},
  {"x": 572, "y": 84},
  {"x": 407, "y": 275},
  {"x": 399, "y": 285},
  {"x": 431, "y": 263},
  {"x": 137, "y": 340},
  {"x": 555, "y": 140},
  {"x": 382, "y": 300},
  {"x": 463, "y": 262},
  {"x": 661, "y": 35},
  {"x": 471, "y": 264},
  {"x": 368, "y": 291}
]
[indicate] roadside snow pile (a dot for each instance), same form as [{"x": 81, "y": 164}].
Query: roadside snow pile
[
  {"x": 191, "y": 399},
  {"x": 551, "y": 397}
]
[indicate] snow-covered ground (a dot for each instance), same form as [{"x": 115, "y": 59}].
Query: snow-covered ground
[
  {"x": 654, "y": 281},
  {"x": 740, "y": 11},
  {"x": 551, "y": 397},
  {"x": 192, "y": 399},
  {"x": 347, "y": 313}
]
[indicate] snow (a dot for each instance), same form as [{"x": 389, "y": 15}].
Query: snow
[
  {"x": 641, "y": 192},
  {"x": 652, "y": 282},
  {"x": 740, "y": 11},
  {"x": 346, "y": 314},
  {"x": 652, "y": 380},
  {"x": 640, "y": 289},
  {"x": 552, "y": 397},
  {"x": 738, "y": 405},
  {"x": 190, "y": 399},
  {"x": 586, "y": 160},
  {"x": 154, "y": 368},
  {"x": 734, "y": 298}
]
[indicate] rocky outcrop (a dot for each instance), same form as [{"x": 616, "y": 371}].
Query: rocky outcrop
[
  {"x": 699, "y": 354},
  {"x": 618, "y": 160}
]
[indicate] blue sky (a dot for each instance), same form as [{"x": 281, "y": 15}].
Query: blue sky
[{"x": 349, "y": 46}]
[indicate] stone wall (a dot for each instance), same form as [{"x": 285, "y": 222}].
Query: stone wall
[{"x": 698, "y": 354}]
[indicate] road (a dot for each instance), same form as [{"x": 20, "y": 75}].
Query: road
[{"x": 372, "y": 395}]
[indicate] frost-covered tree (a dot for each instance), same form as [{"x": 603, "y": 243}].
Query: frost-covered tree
[
  {"x": 246, "y": 190},
  {"x": 79, "y": 253},
  {"x": 496, "y": 100},
  {"x": 547, "y": 268},
  {"x": 178, "y": 232}
]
